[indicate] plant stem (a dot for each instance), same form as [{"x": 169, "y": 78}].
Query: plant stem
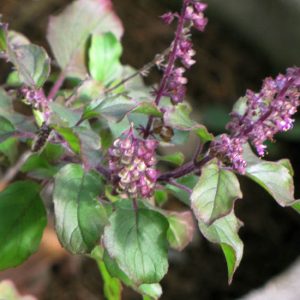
[
  {"x": 185, "y": 169},
  {"x": 170, "y": 66},
  {"x": 180, "y": 186},
  {"x": 12, "y": 172},
  {"x": 57, "y": 85}
]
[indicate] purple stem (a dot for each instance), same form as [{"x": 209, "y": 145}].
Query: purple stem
[
  {"x": 169, "y": 69},
  {"x": 57, "y": 85},
  {"x": 185, "y": 169},
  {"x": 180, "y": 186}
]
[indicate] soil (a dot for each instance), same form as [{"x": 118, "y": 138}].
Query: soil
[{"x": 226, "y": 66}]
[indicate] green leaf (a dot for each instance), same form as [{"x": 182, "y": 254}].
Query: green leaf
[
  {"x": 3, "y": 33},
  {"x": 112, "y": 108},
  {"x": 77, "y": 22},
  {"x": 275, "y": 177},
  {"x": 224, "y": 232},
  {"x": 181, "y": 229},
  {"x": 90, "y": 145},
  {"x": 138, "y": 243},
  {"x": 8, "y": 291},
  {"x": 161, "y": 197},
  {"x": 10, "y": 149},
  {"x": 79, "y": 216},
  {"x": 6, "y": 129},
  {"x": 22, "y": 221},
  {"x": 215, "y": 193},
  {"x": 70, "y": 137},
  {"x": 63, "y": 116},
  {"x": 176, "y": 158},
  {"x": 33, "y": 64},
  {"x": 148, "y": 108},
  {"x": 178, "y": 117},
  {"x": 152, "y": 291},
  {"x": 104, "y": 57}
]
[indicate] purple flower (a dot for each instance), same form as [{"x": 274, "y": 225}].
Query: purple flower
[
  {"x": 132, "y": 161},
  {"x": 268, "y": 112},
  {"x": 182, "y": 49},
  {"x": 230, "y": 152}
]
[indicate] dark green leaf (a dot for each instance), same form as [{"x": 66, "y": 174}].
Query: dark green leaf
[
  {"x": 80, "y": 217},
  {"x": 104, "y": 57},
  {"x": 214, "y": 195},
  {"x": 22, "y": 221},
  {"x": 76, "y": 23},
  {"x": 138, "y": 243},
  {"x": 178, "y": 117},
  {"x": 224, "y": 232},
  {"x": 275, "y": 177},
  {"x": 161, "y": 197}
]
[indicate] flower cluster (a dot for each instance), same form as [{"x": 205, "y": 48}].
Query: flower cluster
[
  {"x": 267, "y": 113},
  {"x": 230, "y": 152},
  {"x": 33, "y": 97},
  {"x": 182, "y": 47},
  {"x": 132, "y": 163}
]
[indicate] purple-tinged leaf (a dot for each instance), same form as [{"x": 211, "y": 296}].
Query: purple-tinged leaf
[
  {"x": 181, "y": 229},
  {"x": 68, "y": 32},
  {"x": 214, "y": 195}
]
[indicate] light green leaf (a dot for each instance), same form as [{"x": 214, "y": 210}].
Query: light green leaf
[
  {"x": 70, "y": 137},
  {"x": 275, "y": 177},
  {"x": 176, "y": 158},
  {"x": 214, "y": 195},
  {"x": 8, "y": 291},
  {"x": 224, "y": 232},
  {"x": 138, "y": 243},
  {"x": 104, "y": 57},
  {"x": 148, "y": 108},
  {"x": 22, "y": 222},
  {"x": 189, "y": 181},
  {"x": 112, "y": 108},
  {"x": 152, "y": 291},
  {"x": 79, "y": 216},
  {"x": 63, "y": 116},
  {"x": 181, "y": 229},
  {"x": 68, "y": 32},
  {"x": 178, "y": 117}
]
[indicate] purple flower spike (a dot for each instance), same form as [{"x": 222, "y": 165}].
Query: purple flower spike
[{"x": 131, "y": 161}]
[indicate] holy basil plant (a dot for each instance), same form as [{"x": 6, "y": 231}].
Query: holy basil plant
[{"x": 95, "y": 141}]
